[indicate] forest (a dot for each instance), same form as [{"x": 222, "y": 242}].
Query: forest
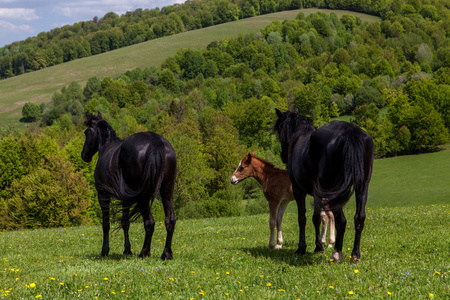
[
  {"x": 111, "y": 31},
  {"x": 391, "y": 78}
]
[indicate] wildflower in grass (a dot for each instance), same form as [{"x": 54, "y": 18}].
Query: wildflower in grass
[
  {"x": 389, "y": 293},
  {"x": 281, "y": 290},
  {"x": 331, "y": 287},
  {"x": 430, "y": 295},
  {"x": 38, "y": 296},
  {"x": 351, "y": 292},
  {"x": 171, "y": 279},
  {"x": 261, "y": 276},
  {"x": 51, "y": 278},
  {"x": 202, "y": 292},
  {"x": 61, "y": 283},
  {"x": 269, "y": 284},
  {"x": 106, "y": 278},
  {"x": 356, "y": 271},
  {"x": 228, "y": 273},
  {"x": 437, "y": 273},
  {"x": 122, "y": 291},
  {"x": 32, "y": 285}
]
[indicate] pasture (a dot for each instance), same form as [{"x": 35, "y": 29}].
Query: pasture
[
  {"x": 39, "y": 86},
  {"x": 404, "y": 251}
]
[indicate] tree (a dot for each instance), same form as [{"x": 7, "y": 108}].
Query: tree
[{"x": 31, "y": 112}]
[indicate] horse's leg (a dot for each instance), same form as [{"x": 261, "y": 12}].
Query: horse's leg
[
  {"x": 149, "y": 226},
  {"x": 300, "y": 199},
  {"x": 170, "y": 220},
  {"x": 341, "y": 223},
  {"x": 360, "y": 216},
  {"x": 126, "y": 227},
  {"x": 281, "y": 209},
  {"x": 104, "y": 202},
  {"x": 273, "y": 208},
  {"x": 323, "y": 236},
  {"x": 332, "y": 229},
  {"x": 316, "y": 221}
]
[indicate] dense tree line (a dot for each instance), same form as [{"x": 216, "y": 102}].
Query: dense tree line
[
  {"x": 111, "y": 31},
  {"x": 392, "y": 78}
]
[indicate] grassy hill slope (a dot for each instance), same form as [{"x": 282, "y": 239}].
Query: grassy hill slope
[{"x": 39, "y": 86}]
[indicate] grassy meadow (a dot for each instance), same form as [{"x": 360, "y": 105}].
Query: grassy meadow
[
  {"x": 39, "y": 86},
  {"x": 405, "y": 252}
]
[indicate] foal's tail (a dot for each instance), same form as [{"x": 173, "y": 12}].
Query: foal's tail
[{"x": 351, "y": 145}]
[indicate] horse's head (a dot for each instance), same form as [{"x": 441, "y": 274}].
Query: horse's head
[
  {"x": 244, "y": 170},
  {"x": 288, "y": 125},
  {"x": 93, "y": 136}
]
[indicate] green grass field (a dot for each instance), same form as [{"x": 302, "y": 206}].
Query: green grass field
[
  {"x": 39, "y": 86},
  {"x": 405, "y": 252}
]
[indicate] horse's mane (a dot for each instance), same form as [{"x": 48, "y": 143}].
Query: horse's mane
[
  {"x": 101, "y": 123},
  {"x": 290, "y": 127}
]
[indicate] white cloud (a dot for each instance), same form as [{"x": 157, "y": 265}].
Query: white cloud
[
  {"x": 26, "y": 14},
  {"x": 11, "y": 27}
]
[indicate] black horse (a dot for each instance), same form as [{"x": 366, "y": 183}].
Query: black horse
[
  {"x": 329, "y": 163},
  {"x": 132, "y": 171}
]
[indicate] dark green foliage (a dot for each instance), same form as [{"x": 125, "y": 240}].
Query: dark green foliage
[
  {"x": 216, "y": 104},
  {"x": 31, "y": 112}
]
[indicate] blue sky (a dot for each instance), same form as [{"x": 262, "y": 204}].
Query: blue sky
[{"x": 20, "y": 19}]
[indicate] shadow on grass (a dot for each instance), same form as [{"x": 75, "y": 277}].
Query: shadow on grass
[
  {"x": 287, "y": 255},
  {"x": 111, "y": 257}
]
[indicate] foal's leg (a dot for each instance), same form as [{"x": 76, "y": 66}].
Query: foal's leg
[
  {"x": 126, "y": 227},
  {"x": 341, "y": 223},
  {"x": 332, "y": 229},
  {"x": 281, "y": 209},
  {"x": 104, "y": 202},
  {"x": 300, "y": 199},
  {"x": 323, "y": 236},
  {"x": 273, "y": 208},
  {"x": 170, "y": 220},
  {"x": 149, "y": 226}
]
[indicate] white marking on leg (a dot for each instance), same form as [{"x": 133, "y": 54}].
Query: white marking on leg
[{"x": 323, "y": 236}]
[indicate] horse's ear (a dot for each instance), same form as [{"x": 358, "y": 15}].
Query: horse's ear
[
  {"x": 279, "y": 113},
  {"x": 253, "y": 154},
  {"x": 248, "y": 158},
  {"x": 297, "y": 110},
  {"x": 99, "y": 115}
]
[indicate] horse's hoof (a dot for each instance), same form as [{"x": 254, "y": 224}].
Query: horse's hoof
[
  {"x": 127, "y": 252},
  {"x": 278, "y": 246},
  {"x": 354, "y": 259},
  {"x": 142, "y": 255},
  {"x": 300, "y": 251},
  {"x": 319, "y": 250},
  {"x": 330, "y": 245},
  {"x": 337, "y": 256},
  {"x": 167, "y": 255},
  {"x": 104, "y": 253}
]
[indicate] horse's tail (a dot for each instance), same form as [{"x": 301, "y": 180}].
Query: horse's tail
[
  {"x": 151, "y": 182},
  {"x": 351, "y": 146}
]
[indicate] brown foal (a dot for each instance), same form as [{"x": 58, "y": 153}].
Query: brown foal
[{"x": 277, "y": 189}]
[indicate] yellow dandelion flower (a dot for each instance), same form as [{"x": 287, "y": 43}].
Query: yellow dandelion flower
[
  {"x": 350, "y": 293},
  {"x": 61, "y": 283},
  {"x": 202, "y": 292},
  {"x": 281, "y": 290},
  {"x": 51, "y": 278},
  {"x": 122, "y": 291},
  {"x": 171, "y": 279},
  {"x": 38, "y": 296},
  {"x": 437, "y": 273},
  {"x": 33, "y": 285},
  {"x": 261, "y": 276},
  {"x": 269, "y": 284},
  {"x": 228, "y": 273},
  {"x": 193, "y": 272},
  {"x": 431, "y": 295},
  {"x": 331, "y": 287},
  {"x": 80, "y": 290},
  {"x": 356, "y": 271},
  {"x": 106, "y": 278},
  {"x": 389, "y": 293}
]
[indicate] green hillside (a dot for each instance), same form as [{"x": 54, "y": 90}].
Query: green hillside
[{"x": 39, "y": 86}]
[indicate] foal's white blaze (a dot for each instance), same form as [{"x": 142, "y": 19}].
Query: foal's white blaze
[{"x": 234, "y": 179}]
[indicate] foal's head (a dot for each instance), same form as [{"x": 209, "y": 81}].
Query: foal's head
[{"x": 244, "y": 170}]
